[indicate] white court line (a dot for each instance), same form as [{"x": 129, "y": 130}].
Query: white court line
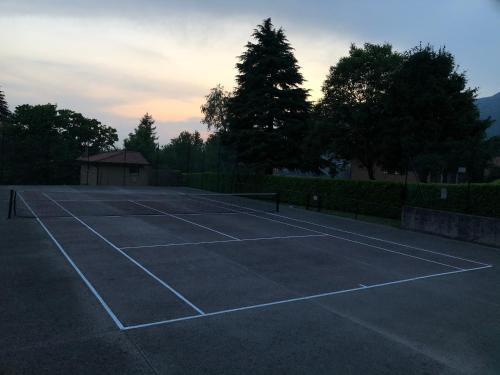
[
  {"x": 75, "y": 267},
  {"x": 345, "y": 239},
  {"x": 360, "y": 235},
  {"x": 187, "y": 221},
  {"x": 179, "y": 295},
  {"x": 154, "y": 215},
  {"x": 305, "y": 298},
  {"x": 378, "y": 239},
  {"x": 224, "y": 241}
]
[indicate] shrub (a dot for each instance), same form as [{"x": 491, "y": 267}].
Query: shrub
[{"x": 383, "y": 199}]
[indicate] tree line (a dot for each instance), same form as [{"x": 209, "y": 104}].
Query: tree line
[
  {"x": 401, "y": 111},
  {"x": 408, "y": 111},
  {"x": 39, "y": 144}
]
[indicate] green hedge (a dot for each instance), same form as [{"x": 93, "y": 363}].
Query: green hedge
[
  {"x": 379, "y": 198},
  {"x": 376, "y": 198},
  {"x": 474, "y": 199}
]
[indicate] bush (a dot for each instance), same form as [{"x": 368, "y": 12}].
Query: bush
[
  {"x": 474, "y": 199},
  {"x": 376, "y": 198}
]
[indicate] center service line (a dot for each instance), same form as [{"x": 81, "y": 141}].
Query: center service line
[
  {"x": 223, "y": 241},
  {"x": 187, "y": 221},
  {"x": 178, "y": 294}
]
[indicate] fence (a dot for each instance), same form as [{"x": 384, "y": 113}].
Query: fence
[{"x": 373, "y": 198}]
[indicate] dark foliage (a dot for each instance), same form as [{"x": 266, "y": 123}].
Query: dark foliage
[
  {"x": 42, "y": 143},
  {"x": 354, "y": 102},
  {"x": 268, "y": 111},
  {"x": 434, "y": 125},
  {"x": 143, "y": 139}
]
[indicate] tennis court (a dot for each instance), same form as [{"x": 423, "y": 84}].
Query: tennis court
[{"x": 191, "y": 266}]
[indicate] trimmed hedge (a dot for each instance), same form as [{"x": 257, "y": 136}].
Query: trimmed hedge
[
  {"x": 376, "y": 198},
  {"x": 379, "y": 198},
  {"x": 473, "y": 199}
]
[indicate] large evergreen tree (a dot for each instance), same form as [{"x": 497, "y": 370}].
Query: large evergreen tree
[
  {"x": 143, "y": 139},
  {"x": 268, "y": 112},
  {"x": 4, "y": 118},
  {"x": 4, "y": 108}
]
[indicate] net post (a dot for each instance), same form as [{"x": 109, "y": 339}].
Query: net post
[
  {"x": 278, "y": 202},
  {"x": 11, "y": 203}
]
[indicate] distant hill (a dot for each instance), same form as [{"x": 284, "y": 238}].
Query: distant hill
[{"x": 490, "y": 106}]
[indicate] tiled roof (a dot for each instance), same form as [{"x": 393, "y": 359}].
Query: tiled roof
[{"x": 116, "y": 157}]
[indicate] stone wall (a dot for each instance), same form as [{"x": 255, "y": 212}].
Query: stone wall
[{"x": 471, "y": 228}]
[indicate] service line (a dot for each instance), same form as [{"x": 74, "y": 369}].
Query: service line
[{"x": 305, "y": 298}]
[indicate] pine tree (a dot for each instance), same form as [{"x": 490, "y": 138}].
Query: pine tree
[
  {"x": 144, "y": 138},
  {"x": 4, "y": 117},
  {"x": 4, "y": 108},
  {"x": 268, "y": 112}
]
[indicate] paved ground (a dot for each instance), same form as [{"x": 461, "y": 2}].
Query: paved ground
[{"x": 229, "y": 293}]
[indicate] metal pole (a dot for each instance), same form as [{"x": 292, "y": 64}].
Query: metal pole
[
  {"x": 124, "y": 166},
  {"x": 11, "y": 203},
  {"x": 88, "y": 164}
]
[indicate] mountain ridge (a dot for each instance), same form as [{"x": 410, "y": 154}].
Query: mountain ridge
[{"x": 490, "y": 106}]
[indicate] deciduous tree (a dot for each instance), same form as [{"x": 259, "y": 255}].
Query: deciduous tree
[
  {"x": 354, "y": 102},
  {"x": 435, "y": 125}
]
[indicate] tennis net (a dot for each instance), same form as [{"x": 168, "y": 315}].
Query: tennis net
[{"x": 33, "y": 204}]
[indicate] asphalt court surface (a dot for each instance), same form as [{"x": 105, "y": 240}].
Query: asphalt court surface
[{"x": 155, "y": 274}]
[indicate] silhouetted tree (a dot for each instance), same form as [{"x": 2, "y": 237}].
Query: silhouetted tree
[
  {"x": 267, "y": 114},
  {"x": 354, "y": 102},
  {"x": 4, "y": 118},
  {"x": 435, "y": 125},
  {"x": 184, "y": 153},
  {"x": 4, "y": 108},
  {"x": 215, "y": 109},
  {"x": 143, "y": 139},
  {"x": 45, "y": 142}
]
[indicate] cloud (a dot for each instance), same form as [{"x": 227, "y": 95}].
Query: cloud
[{"x": 115, "y": 60}]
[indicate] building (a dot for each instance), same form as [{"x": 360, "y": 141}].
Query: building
[
  {"x": 360, "y": 173},
  {"x": 115, "y": 168}
]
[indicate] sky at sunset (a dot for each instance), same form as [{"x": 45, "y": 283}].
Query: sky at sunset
[{"x": 116, "y": 60}]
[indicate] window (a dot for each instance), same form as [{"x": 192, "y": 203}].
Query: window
[{"x": 133, "y": 171}]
